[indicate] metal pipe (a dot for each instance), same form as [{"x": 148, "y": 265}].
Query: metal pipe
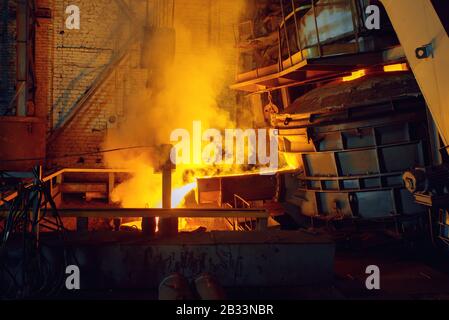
[
  {"x": 22, "y": 56},
  {"x": 167, "y": 226}
]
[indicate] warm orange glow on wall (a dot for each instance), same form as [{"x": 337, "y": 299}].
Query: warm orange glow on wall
[
  {"x": 396, "y": 67},
  {"x": 355, "y": 75}
]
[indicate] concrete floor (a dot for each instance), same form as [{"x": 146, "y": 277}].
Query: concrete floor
[{"x": 406, "y": 273}]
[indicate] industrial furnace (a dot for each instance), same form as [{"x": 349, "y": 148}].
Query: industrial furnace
[{"x": 224, "y": 150}]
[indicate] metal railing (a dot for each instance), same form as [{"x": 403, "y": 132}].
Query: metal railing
[
  {"x": 242, "y": 223},
  {"x": 58, "y": 177},
  {"x": 302, "y": 17},
  {"x": 254, "y": 219},
  {"x": 294, "y": 25}
]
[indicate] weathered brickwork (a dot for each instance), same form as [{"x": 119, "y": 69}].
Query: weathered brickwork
[
  {"x": 79, "y": 58},
  {"x": 69, "y": 62}
]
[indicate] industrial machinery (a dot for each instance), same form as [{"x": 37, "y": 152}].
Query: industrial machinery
[
  {"x": 350, "y": 115},
  {"x": 361, "y": 123},
  {"x": 429, "y": 185},
  {"x": 353, "y": 148},
  {"x": 427, "y": 51}
]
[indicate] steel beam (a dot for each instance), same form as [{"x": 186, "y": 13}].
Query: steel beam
[
  {"x": 168, "y": 213},
  {"x": 167, "y": 226},
  {"x": 23, "y": 52},
  {"x": 418, "y": 24}
]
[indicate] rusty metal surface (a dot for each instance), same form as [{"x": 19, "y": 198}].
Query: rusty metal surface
[
  {"x": 313, "y": 70},
  {"x": 318, "y": 41},
  {"x": 340, "y": 95},
  {"x": 22, "y": 143},
  {"x": 172, "y": 213},
  {"x": 351, "y": 142},
  {"x": 222, "y": 189}
]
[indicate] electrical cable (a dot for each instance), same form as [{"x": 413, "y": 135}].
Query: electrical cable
[{"x": 41, "y": 275}]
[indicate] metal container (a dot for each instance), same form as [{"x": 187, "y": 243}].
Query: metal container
[{"x": 352, "y": 141}]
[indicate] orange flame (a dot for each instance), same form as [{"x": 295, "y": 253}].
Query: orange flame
[
  {"x": 355, "y": 75},
  {"x": 177, "y": 201}
]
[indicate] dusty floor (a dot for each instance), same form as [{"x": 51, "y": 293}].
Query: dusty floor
[{"x": 408, "y": 271}]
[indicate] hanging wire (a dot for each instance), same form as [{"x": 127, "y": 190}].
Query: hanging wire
[{"x": 37, "y": 274}]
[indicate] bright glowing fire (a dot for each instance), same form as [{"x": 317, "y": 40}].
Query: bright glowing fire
[
  {"x": 177, "y": 201},
  {"x": 194, "y": 88},
  {"x": 355, "y": 75},
  {"x": 396, "y": 67},
  {"x": 179, "y": 195}
]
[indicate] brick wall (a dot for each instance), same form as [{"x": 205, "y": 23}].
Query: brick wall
[
  {"x": 44, "y": 60},
  {"x": 79, "y": 56},
  {"x": 22, "y": 139}
]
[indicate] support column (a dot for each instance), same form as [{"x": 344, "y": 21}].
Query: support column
[
  {"x": 22, "y": 72},
  {"x": 24, "y": 55},
  {"x": 167, "y": 226}
]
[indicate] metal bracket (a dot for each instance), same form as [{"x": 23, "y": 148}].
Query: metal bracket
[{"x": 424, "y": 52}]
